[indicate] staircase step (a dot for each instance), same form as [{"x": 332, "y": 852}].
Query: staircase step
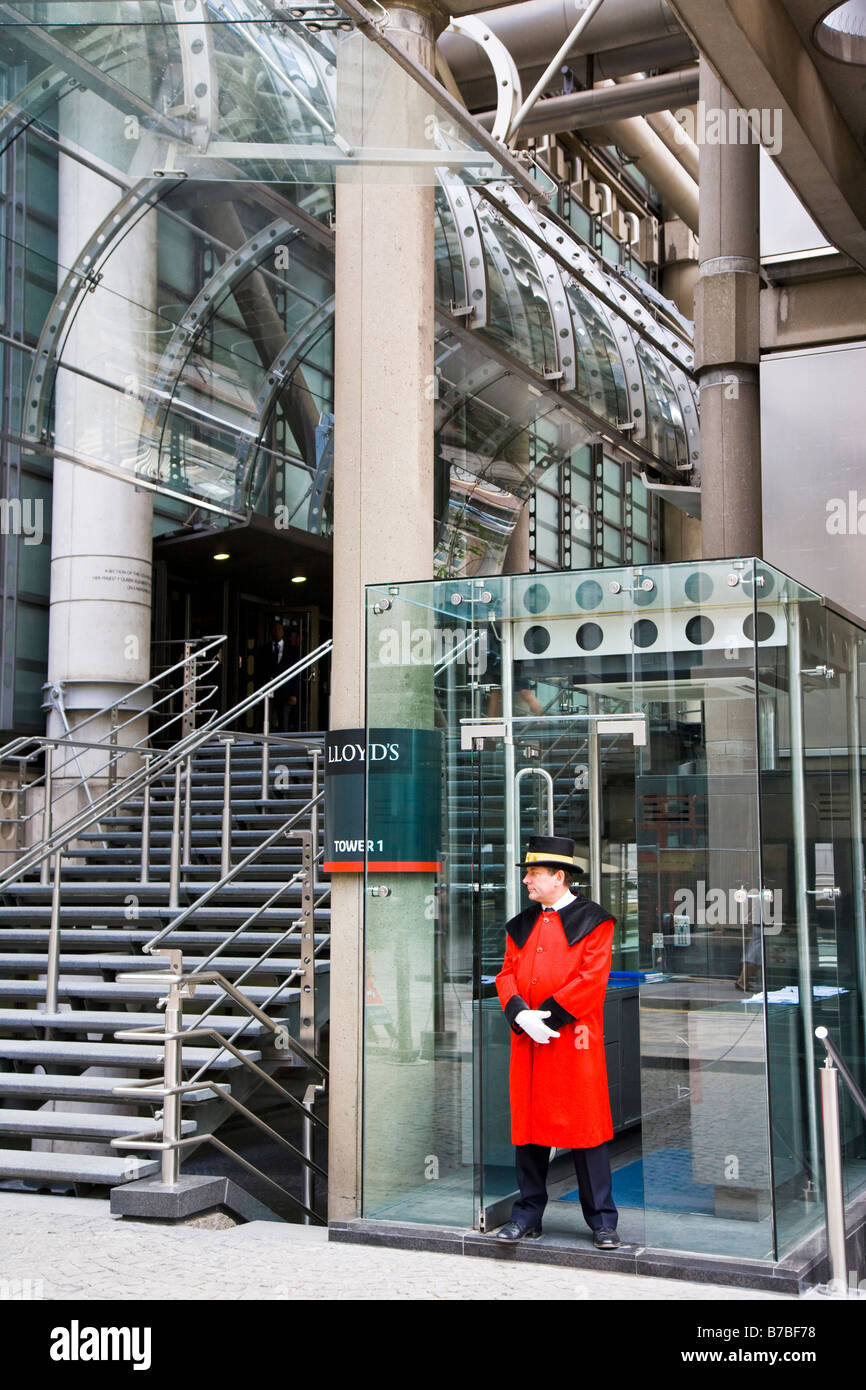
[
  {"x": 102, "y": 1021},
  {"x": 111, "y": 1054},
  {"x": 96, "y": 938},
  {"x": 81, "y": 1168},
  {"x": 70, "y": 1124},
  {"x": 27, "y": 963},
  {"x": 249, "y": 894},
  {"x": 226, "y": 918},
  {"x": 112, "y": 990},
  {"x": 25, "y": 1085}
]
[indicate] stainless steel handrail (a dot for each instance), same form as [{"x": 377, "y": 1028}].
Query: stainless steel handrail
[
  {"x": 183, "y": 984},
  {"x": 25, "y": 749},
  {"x": 163, "y": 763},
  {"x": 150, "y": 946},
  {"x": 834, "y": 1190}
]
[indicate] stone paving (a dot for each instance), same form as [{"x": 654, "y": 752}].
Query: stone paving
[{"x": 67, "y": 1248}]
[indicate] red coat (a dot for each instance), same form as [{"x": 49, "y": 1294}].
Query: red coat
[{"x": 559, "y": 1092}]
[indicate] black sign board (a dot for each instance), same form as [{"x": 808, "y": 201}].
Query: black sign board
[{"x": 402, "y": 831}]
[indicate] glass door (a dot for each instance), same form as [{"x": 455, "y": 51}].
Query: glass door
[{"x": 555, "y": 755}]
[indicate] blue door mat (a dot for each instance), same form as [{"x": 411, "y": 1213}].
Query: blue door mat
[{"x": 662, "y": 1182}]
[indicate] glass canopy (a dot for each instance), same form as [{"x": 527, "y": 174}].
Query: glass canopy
[{"x": 179, "y": 314}]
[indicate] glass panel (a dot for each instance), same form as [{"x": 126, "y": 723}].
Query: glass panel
[
  {"x": 555, "y": 676},
  {"x": 665, "y": 432},
  {"x": 418, "y": 1053},
  {"x": 705, "y": 1143},
  {"x": 518, "y": 311},
  {"x": 547, "y": 508},
  {"x": 167, "y": 345},
  {"x": 815, "y": 951},
  {"x": 232, "y": 96},
  {"x": 600, "y": 377}
]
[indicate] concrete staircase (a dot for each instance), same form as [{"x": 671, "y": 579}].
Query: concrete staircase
[{"x": 58, "y": 1112}]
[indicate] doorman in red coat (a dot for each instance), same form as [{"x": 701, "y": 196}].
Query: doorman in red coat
[{"x": 552, "y": 986}]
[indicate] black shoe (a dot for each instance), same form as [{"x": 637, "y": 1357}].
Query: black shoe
[
  {"x": 514, "y": 1232},
  {"x": 605, "y": 1239}
]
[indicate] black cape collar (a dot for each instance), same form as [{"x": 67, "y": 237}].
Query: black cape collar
[{"x": 578, "y": 918}]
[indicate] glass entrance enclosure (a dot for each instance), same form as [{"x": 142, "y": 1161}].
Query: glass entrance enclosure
[{"x": 698, "y": 730}]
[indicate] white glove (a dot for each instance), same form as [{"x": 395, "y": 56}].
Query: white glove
[{"x": 530, "y": 1020}]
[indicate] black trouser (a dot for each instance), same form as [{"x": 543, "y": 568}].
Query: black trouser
[{"x": 592, "y": 1167}]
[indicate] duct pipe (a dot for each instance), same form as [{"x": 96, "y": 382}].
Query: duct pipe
[
  {"x": 603, "y": 104},
  {"x": 669, "y": 130},
  {"x": 534, "y": 29},
  {"x": 675, "y": 139},
  {"x": 677, "y": 188},
  {"x": 664, "y": 55}
]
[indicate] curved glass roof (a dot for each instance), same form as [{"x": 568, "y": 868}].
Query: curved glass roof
[{"x": 541, "y": 346}]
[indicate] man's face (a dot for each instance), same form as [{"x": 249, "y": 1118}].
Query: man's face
[
  {"x": 277, "y": 632},
  {"x": 544, "y": 885}
]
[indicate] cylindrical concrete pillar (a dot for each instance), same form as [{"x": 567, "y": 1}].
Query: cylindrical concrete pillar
[
  {"x": 383, "y": 509},
  {"x": 727, "y": 330},
  {"x": 99, "y": 628}
]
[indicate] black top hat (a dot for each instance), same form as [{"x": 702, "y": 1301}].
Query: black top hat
[{"x": 549, "y": 852}]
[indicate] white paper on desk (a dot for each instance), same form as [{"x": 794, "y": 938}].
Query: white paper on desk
[{"x": 790, "y": 994}]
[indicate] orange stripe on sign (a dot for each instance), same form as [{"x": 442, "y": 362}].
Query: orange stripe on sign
[{"x": 394, "y": 866}]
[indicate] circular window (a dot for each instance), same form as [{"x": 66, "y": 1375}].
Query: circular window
[
  {"x": 589, "y": 594},
  {"x": 644, "y": 633},
  {"x": 589, "y": 636},
  {"x": 841, "y": 34},
  {"x": 699, "y": 630},
  {"x": 644, "y": 596},
  {"x": 698, "y": 587},
  {"x": 536, "y": 640},
  {"x": 765, "y": 627},
  {"x": 536, "y": 598}
]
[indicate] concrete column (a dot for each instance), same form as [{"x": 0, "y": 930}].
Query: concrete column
[
  {"x": 681, "y": 535},
  {"x": 516, "y": 559},
  {"x": 383, "y": 481},
  {"x": 727, "y": 335},
  {"x": 99, "y": 626},
  {"x": 680, "y": 268}
]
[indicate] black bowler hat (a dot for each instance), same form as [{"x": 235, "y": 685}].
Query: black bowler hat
[{"x": 549, "y": 852}]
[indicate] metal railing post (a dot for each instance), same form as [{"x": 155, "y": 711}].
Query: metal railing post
[
  {"x": 174, "y": 865},
  {"x": 226, "y": 831},
  {"x": 512, "y": 847},
  {"x": 593, "y": 756},
  {"x": 834, "y": 1199},
  {"x": 45, "y": 870},
  {"x": 308, "y": 1177},
  {"x": 314, "y": 813},
  {"x": 189, "y": 678},
  {"x": 307, "y": 1034},
  {"x": 266, "y": 729},
  {"x": 112, "y": 750},
  {"x": 187, "y": 809},
  {"x": 172, "y": 1077},
  {"x": 52, "y": 967},
  {"x": 145, "y": 823}
]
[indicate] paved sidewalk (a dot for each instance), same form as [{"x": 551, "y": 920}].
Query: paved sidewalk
[{"x": 67, "y": 1248}]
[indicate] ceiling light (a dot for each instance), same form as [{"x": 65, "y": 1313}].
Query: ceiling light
[
  {"x": 223, "y": 555},
  {"x": 299, "y": 579}
]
